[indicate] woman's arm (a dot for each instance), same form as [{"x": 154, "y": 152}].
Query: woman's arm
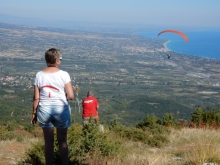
[
  {"x": 36, "y": 98},
  {"x": 69, "y": 91}
]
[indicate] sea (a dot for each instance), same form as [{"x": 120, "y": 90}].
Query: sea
[{"x": 202, "y": 43}]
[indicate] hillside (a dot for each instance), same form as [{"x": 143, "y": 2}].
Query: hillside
[
  {"x": 122, "y": 146},
  {"x": 160, "y": 141},
  {"x": 131, "y": 75}
]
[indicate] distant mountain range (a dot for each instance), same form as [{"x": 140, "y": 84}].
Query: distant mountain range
[
  {"x": 4, "y": 18},
  {"x": 27, "y": 21},
  {"x": 72, "y": 25}
]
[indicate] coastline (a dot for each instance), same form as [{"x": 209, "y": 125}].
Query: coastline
[
  {"x": 208, "y": 38},
  {"x": 165, "y": 45}
]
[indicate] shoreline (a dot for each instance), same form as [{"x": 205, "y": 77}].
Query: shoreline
[
  {"x": 165, "y": 45},
  {"x": 193, "y": 50}
]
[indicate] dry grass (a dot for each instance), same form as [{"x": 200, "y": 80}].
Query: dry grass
[
  {"x": 187, "y": 147},
  {"x": 11, "y": 151},
  {"x": 197, "y": 146}
]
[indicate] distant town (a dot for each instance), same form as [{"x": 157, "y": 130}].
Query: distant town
[{"x": 112, "y": 64}]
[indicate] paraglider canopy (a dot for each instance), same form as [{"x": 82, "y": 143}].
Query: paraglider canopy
[{"x": 176, "y": 32}]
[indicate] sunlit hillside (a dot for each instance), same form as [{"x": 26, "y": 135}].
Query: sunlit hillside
[
  {"x": 186, "y": 147},
  {"x": 151, "y": 142}
]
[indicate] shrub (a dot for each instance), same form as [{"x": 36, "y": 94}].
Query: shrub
[
  {"x": 6, "y": 136},
  {"x": 129, "y": 133},
  {"x": 206, "y": 118},
  {"x": 153, "y": 125},
  {"x": 28, "y": 128},
  {"x": 154, "y": 138},
  {"x": 19, "y": 138},
  {"x": 35, "y": 155},
  {"x": 89, "y": 141},
  {"x": 148, "y": 121},
  {"x": 169, "y": 120},
  {"x": 84, "y": 143},
  {"x": 157, "y": 141},
  {"x": 197, "y": 116}
]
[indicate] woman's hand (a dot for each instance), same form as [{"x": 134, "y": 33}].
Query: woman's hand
[{"x": 34, "y": 118}]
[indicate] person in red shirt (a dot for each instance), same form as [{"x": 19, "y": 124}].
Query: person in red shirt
[{"x": 90, "y": 107}]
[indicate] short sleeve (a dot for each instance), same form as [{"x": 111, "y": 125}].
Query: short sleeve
[
  {"x": 96, "y": 101},
  {"x": 36, "y": 80},
  {"x": 66, "y": 77}
]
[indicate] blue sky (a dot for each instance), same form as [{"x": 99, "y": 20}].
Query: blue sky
[{"x": 191, "y": 13}]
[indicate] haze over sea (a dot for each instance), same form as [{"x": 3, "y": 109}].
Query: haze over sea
[{"x": 202, "y": 43}]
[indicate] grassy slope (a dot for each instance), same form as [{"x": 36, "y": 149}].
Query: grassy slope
[{"x": 186, "y": 146}]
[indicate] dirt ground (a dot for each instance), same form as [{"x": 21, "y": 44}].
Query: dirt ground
[{"x": 11, "y": 151}]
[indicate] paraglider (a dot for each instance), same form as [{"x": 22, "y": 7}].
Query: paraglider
[
  {"x": 169, "y": 54},
  {"x": 176, "y": 32}
]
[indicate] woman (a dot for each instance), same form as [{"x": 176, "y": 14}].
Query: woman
[{"x": 52, "y": 90}]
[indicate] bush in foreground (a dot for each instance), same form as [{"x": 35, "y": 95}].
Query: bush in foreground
[{"x": 85, "y": 144}]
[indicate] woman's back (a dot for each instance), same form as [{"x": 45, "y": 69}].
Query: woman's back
[{"x": 52, "y": 87}]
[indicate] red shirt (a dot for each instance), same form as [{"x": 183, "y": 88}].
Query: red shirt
[{"x": 89, "y": 105}]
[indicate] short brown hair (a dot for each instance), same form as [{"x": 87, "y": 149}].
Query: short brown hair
[{"x": 52, "y": 55}]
